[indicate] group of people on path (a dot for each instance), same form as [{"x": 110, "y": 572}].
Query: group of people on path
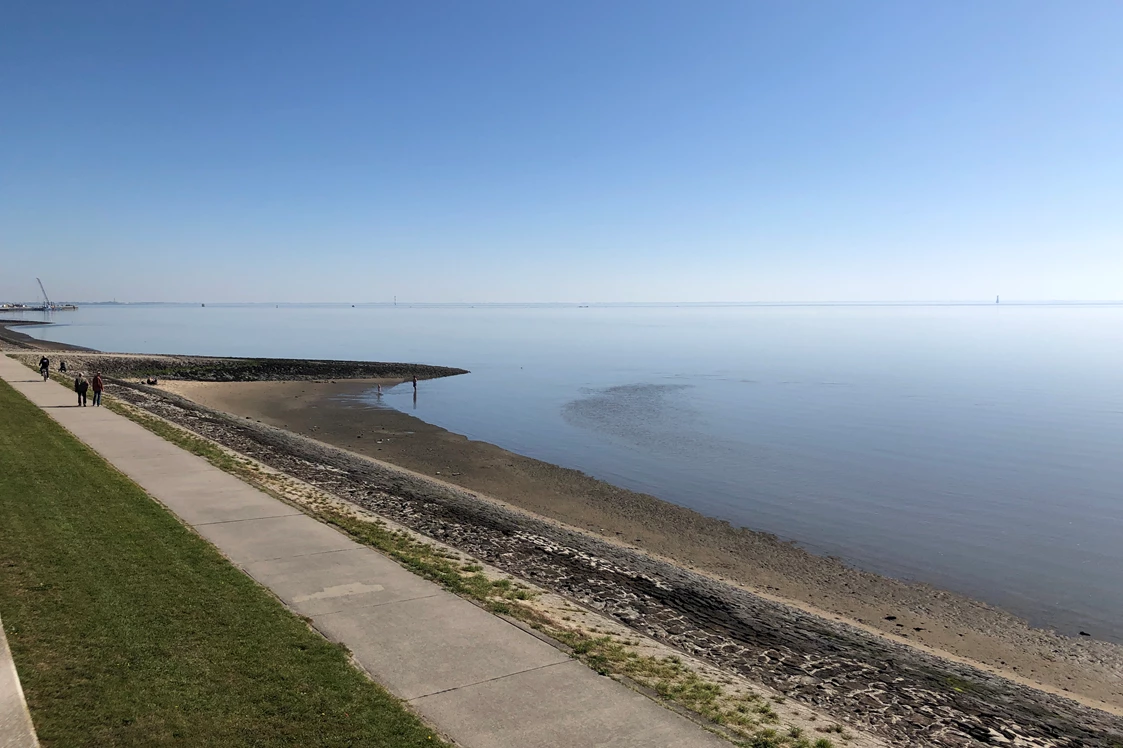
[{"x": 81, "y": 384}]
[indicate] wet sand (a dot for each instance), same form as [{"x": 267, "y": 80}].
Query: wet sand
[
  {"x": 14, "y": 340},
  {"x": 921, "y": 616}
]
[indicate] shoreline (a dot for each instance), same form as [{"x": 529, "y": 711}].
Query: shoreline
[
  {"x": 869, "y": 681},
  {"x": 952, "y": 625},
  {"x": 954, "y": 628},
  {"x": 14, "y": 340}
]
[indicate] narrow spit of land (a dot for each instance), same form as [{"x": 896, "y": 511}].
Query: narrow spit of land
[
  {"x": 128, "y": 629},
  {"x": 14, "y": 340}
]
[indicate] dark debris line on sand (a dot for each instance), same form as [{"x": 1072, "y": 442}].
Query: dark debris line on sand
[{"x": 890, "y": 689}]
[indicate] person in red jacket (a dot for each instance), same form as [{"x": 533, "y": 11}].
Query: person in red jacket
[{"x": 98, "y": 386}]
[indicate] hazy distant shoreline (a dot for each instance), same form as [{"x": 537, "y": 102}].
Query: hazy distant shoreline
[{"x": 587, "y": 304}]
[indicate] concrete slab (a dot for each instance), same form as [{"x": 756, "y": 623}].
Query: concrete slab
[
  {"x": 424, "y": 646},
  {"x": 280, "y": 537},
  {"x": 176, "y": 473},
  {"x": 19, "y": 378},
  {"x": 138, "y": 459},
  {"x": 563, "y": 706},
  {"x": 332, "y": 582},
  {"x": 112, "y": 428},
  {"x": 118, "y": 434},
  {"x": 227, "y": 504},
  {"x": 64, "y": 404},
  {"x": 88, "y": 413}
]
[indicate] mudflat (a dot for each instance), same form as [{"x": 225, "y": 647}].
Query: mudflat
[{"x": 930, "y": 619}]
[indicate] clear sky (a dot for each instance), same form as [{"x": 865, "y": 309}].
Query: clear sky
[{"x": 565, "y": 151}]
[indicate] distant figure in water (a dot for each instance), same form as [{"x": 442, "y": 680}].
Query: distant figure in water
[
  {"x": 62, "y": 366},
  {"x": 81, "y": 386},
  {"x": 380, "y": 390},
  {"x": 415, "y": 383}
]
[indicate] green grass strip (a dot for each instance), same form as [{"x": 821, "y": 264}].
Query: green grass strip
[{"x": 130, "y": 630}]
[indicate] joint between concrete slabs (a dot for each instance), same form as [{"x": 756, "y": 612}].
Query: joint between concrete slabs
[
  {"x": 415, "y": 699},
  {"x": 365, "y": 607},
  {"x": 285, "y": 558},
  {"x": 254, "y": 519}
]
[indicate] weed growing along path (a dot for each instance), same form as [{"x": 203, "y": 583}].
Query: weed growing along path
[{"x": 128, "y": 629}]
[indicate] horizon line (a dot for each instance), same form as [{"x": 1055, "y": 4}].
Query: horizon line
[{"x": 870, "y": 302}]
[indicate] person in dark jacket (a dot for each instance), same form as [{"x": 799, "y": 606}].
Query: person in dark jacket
[
  {"x": 81, "y": 386},
  {"x": 62, "y": 366},
  {"x": 44, "y": 367},
  {"x": 98, "y": 386}
]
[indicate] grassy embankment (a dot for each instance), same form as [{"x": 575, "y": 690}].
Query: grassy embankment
[{"x": 128, "y": 629}]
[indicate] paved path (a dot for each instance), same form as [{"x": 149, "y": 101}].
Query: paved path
[{"x": 477, "y": 678}]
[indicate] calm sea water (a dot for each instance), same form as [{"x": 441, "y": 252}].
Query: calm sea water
[{"x": 979, "y": 448}]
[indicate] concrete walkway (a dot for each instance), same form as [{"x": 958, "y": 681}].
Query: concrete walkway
[{"x": 477, "y": 678}]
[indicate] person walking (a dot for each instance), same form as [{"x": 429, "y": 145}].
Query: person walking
[
  {"x": 98, "y": 386},
  {"x": 81, "y": 386}
]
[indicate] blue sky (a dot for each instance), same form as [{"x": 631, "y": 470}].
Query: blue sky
[{"x": 580, "y": 151}]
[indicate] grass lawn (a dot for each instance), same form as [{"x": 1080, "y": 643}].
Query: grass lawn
[{"x": 129, "y": 630}]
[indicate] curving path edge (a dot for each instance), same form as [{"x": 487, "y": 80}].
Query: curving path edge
[{"x": 16, "y": 729}]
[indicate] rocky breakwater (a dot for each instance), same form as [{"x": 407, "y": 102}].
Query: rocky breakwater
[{"x": 216, "y": 369}]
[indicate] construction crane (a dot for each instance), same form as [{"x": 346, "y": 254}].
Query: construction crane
[
  {"x": 48, "y": 305},
  {"x": 45, "y": 297}
]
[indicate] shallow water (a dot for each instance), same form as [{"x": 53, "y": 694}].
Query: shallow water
[{"x": 979, "y": 448}]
